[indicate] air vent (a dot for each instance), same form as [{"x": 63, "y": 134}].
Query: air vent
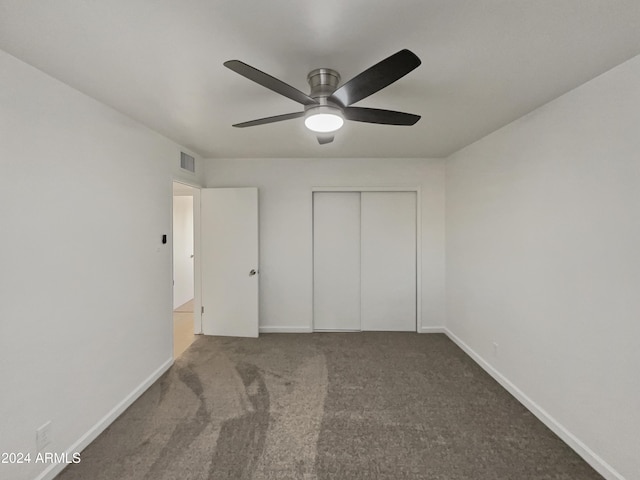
[{"x": 187, "y": 162}]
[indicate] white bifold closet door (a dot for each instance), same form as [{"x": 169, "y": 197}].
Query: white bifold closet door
[
  {"x": 336, "y": 260},
  {"x": 364, "y": 261},
  {"x": 388, "y": 261}
]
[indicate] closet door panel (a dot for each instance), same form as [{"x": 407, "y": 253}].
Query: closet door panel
[
  {"x": 388, "y": 256},
  {"x": 336, "y": 260}
]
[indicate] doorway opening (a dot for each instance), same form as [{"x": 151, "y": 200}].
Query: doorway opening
[{"x": 183, "y": 268}]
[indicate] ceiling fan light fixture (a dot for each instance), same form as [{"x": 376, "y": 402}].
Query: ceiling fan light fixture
[
  {"x": 327, "y": 105},
  {"x": 324, "y": 119}
]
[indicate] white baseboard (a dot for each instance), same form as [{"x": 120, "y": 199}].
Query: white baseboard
[
  {"x": 54, "y": 469},
  {"x": 432, "y": 330},
  {"x": 285, "y": 330},
  {"x": 602, "y": 467}
]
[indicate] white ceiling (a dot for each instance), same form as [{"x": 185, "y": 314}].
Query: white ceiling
[{"x": 484, "y": 63}]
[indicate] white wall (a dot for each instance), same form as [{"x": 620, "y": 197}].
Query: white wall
[
  {"x": 543, "y": 239},
  {"x": 85, "y": 283},
  {"x": 183, "y": 250},
  {"x": 286, "y": 255}
]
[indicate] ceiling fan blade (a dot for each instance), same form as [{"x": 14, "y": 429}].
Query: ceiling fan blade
[
  {"x": 377, "y": 115},
  {"x": 269, "y": 82},
  {"x": 263, "y": 121},
  {"x": 324, "y": 139},
  {"x": 376, "y": 78}
]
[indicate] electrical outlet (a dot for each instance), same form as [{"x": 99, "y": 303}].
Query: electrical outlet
[
  {"x": 43, "y": 436},
  {"x": 495, "y": 349}
]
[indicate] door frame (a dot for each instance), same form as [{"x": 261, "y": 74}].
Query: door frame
[
  {"x": 197, "y": 270},
  {"x": 415, "y": 189}
]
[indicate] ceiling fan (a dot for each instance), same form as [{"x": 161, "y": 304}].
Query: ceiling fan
[{"x": 327, "y": 105}]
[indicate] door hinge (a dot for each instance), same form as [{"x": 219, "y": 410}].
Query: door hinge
[{"x": 202, "y": 310}]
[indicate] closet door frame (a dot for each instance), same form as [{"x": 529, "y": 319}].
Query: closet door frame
[{"x": 415, "y": 189}]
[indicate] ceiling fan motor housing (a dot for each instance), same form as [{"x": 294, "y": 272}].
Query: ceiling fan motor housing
[{"x": 323, "y": 82}]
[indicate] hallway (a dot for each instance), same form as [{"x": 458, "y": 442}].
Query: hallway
[{"x": 183, "y": 335}]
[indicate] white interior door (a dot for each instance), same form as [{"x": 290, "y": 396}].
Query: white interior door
[
  {"x": 229, "y": 252},
  {"x": 336, "y": 261},
  {"x": 388, "y": 261}
]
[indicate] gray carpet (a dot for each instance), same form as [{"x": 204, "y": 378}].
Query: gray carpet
[{"x": 327, "y": 406}]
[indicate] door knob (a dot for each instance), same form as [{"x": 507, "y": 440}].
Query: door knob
[{"x": 252, "y": 273}]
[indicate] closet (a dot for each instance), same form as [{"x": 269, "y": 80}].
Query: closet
[{"x": 364, "y": 261}]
